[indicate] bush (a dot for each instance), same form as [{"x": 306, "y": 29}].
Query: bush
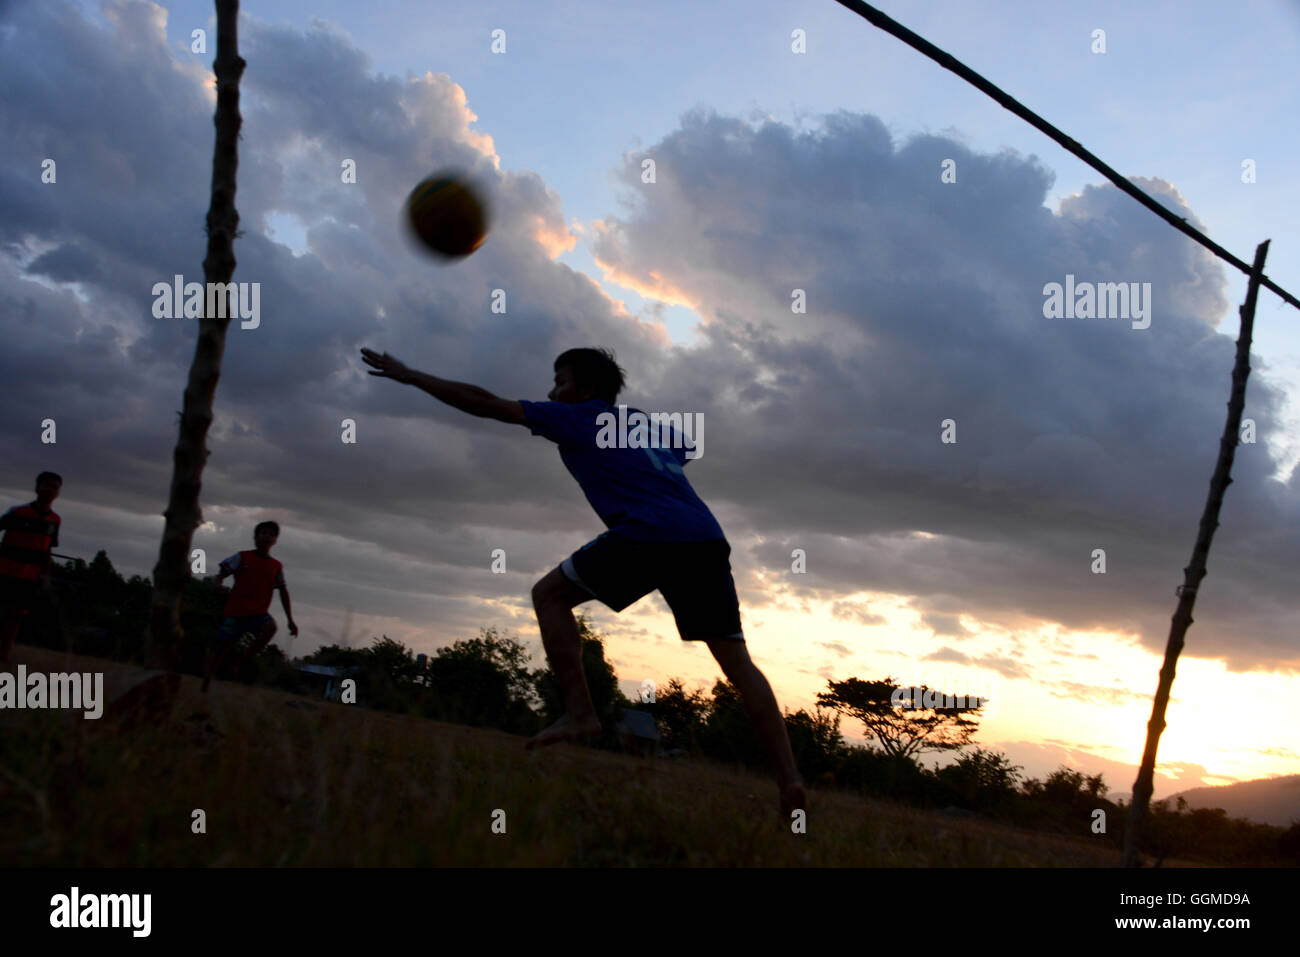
[
  {"x": 879, "y": 773},
  {"x": 816, "y": 742},
  {"x": 980, "y": 780},
  {"x": 680, "y": 715}
]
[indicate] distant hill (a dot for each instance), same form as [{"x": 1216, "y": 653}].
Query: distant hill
[{"x": 1267, "y": 801}]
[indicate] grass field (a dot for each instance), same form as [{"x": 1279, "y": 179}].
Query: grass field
[{"x": 295, "y": 781}]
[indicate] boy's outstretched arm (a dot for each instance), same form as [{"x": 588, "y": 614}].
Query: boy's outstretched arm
[{"x": 458, "y": 395}]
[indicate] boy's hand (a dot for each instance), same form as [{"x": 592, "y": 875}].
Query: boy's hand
[
  {"x": 386, "y": 367},
  {"x": 293, "y": 629}
]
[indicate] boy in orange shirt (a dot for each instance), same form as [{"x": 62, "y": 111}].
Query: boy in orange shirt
[
  {"x": 30, "y": 532},
  {"x": 256, "y": 575}
]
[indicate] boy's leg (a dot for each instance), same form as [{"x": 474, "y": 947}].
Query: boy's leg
[
  {"x": 554, "y": 598},
  {"x": 15, "y": 597},
  {"x": 227, "y": 635},
  {"x": 760, "y": 704},
  {"x": 264, "y": 636}
]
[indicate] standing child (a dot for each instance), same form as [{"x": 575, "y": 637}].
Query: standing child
[
  {"x": 256, "y": 574},
  {"x": 30, "y": 532}
]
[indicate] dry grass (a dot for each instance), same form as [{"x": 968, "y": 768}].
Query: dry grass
[{"x": 288, "y": 780}]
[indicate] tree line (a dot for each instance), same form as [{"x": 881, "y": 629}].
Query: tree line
[{"x": 486, "y": 681}]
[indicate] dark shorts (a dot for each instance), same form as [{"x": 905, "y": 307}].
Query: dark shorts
[
  {"x": 694, "y": 578},
  {"x": 17, "y": 594},
  {"x": 232, "y": 629}
]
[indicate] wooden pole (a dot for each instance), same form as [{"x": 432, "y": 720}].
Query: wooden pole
[
  {"x": 1195, "y": 571},
  {"x": 172, "y": 571}
]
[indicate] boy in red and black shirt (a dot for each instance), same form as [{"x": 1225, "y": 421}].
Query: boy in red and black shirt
[
  {"x": 256, "y": 574},
  {"x": 30, "y": 532}
]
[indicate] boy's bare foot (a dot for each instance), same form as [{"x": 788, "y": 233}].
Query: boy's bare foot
[
  {"x": 793, "y": 797},
  {"x": 566, "y": 729}
]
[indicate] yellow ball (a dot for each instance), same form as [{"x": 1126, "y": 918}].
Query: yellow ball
[{"x": 447, "y": 216}]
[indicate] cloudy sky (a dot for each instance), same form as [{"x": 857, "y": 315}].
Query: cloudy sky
[{"x": 782, "y": 178}]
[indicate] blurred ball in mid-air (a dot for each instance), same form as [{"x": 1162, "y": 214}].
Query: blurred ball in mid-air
[{"x": 447, "y": 215}]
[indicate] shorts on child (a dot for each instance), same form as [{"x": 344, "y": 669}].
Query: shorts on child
[
  {"x": 693, "y": 577},
  {"x": 233, "y": 628}
]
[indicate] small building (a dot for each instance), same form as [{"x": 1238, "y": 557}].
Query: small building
[
  {"x": 638, "y": 732},
  {"x": 327, "y": 678}
]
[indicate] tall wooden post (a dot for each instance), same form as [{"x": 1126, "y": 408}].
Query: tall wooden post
[
  {"x": 1195, "y": 571},
  {"x": 172, "y": 571}
]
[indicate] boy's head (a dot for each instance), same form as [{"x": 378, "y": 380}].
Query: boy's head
[
  {"x": 265, "y": 534},
  {"x": 47, "y": 487},
  {"x": 585, "y": 374}
]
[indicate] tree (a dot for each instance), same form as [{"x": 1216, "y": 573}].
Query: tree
[
  {"x": 392, "y": 659},
  {"x": 925, "y": 721},
  {"x": 816, "y": 742},
  {"x": 337, "y": 656},
  {"x": 1069, "y": 787},
  {"x": 504, "y": 654},
  {"x": 1067, "y": 797},
  {"x": 680, "y": 714},
  {"x": 388, "y": 675},
  {"x": 483, "y": 681},
  {"x": 729, "y": 733}
]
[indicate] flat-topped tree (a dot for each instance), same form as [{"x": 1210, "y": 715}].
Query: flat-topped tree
[{"x": 926, "y": 720}]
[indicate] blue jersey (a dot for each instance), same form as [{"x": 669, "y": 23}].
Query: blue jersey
[{"x": 640, "y": 493}]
